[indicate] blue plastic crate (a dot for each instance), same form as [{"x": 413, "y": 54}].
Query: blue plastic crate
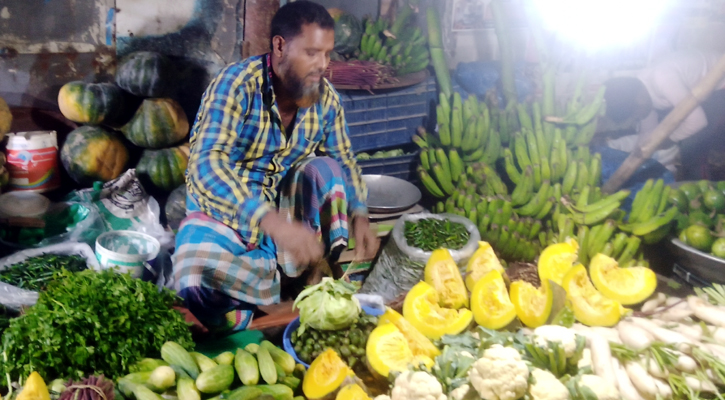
[
  {"x": 388, "y": 118},
  {"x": 402, "y": 167}
]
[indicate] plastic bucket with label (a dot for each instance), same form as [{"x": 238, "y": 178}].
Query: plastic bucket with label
[
  {"x": 126, "y": 251},
  {"x": 33, "y": 161}
]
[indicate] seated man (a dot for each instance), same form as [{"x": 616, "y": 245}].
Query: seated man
[
  {"x": 260, "y": 203},
  {"x": 641, "y": 102}
]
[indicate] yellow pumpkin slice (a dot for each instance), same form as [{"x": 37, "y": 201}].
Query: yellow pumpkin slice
[
  {"x": 325, "y": 375},
  {"x": 387, "y": 350},
  {"x": 556, "y": 260},
  {"x": 34, "y": 389},
  {"x": 352, "y": 392},
  {"x": 421, "y": 309},
  {"x": 533, "y": 305},
  {"x": 442, "y": 273},
  {"x": 482, "y": 262},
  {"x": 589, "y": 306},
  {"x": 418, "y": 343},
  {"x": 625, "y": 285},
  {"x": 490, "y": 302}
]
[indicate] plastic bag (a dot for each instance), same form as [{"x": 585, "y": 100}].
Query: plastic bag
[
  {"x": 123, "y": 204},
  {"x": 401, "y": 266},
  {"x": 176, "y": 207},
  {"x": 15, "y": 298}
]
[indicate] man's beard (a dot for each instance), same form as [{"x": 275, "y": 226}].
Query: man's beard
[{"x": 303, "y": 95}]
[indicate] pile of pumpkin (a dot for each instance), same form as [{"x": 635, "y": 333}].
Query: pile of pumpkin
[{"x": 100, "y": 149}]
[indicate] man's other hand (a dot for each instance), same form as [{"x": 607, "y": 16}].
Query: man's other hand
[
  {"x": 294, "y": 238},
  {"x": 366, "y": 242}
]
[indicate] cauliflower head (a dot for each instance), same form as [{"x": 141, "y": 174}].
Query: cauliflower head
[
  {"x": 547, "y": 387},
  {"x": 565, "y": 337},
  {"x": 382, "y": 397},
  {"x": 417, "y": 385},
  {"x": 464, "y": 392},
  {"x": 500, "y": 374},
  {"x": 600, "y": 387}
]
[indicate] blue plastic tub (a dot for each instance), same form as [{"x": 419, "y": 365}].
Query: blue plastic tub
[{"x": 287, "y": 336}]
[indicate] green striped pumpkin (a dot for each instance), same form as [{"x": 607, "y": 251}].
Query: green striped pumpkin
[
  {"x": 158, "y": 123},
  {"x": 6, "y": 118},
  {"x": 91, "y": 153},
  {"x": 164, "y": 168},
  {"x": 89, "y": 103},
  {"x": 145, "y": 74}
]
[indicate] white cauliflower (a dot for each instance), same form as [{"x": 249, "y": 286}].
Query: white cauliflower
[
  {"x": 417, "y": 385},
  {"x": 382, "y": 397},
  {"x": 500, "y": 374},
  {"x": 586, "y": 360},
  {"x": 546, "y": 387},
  {"x": 464, "y": 392},
  {"x": 601, "y": 388},
  {"x": 564, "y": 336}
]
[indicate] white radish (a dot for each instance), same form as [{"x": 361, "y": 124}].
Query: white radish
[
  {"x": 707, "y": 312},
  {"x": 654, "y": 369},
  {"x": 672, "y": 300},
  {"x": 700, "y": 385},
  {"x": 602, "y": 359},
  {"x": 581, "y": 329},
  {"x": 664, "y": 390},
  {"x": 586, "y": 360},
  {"x": 715, "y": 349},
  {"x": 633, "y": 336},
  {"x": 713, "y": 376},
  {"x": 651, "y": 304},
  {"x": 626, "y": 388},
  {"x": 610, "y": 334},
  {"x": 694, "y": 332},
  {"x": 682, "y": 342},
  {"x": 686, "y": 363},
  {"x": 641, "y": 380},
  {"x": 679, "y": 312}
]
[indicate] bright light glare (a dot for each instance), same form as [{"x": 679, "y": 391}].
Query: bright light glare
[{"x": 601, "y": 24}]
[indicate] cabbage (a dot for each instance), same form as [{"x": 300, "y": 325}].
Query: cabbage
[{"x": 328, "y": 306}]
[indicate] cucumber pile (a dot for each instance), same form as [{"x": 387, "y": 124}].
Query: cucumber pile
[
  {"x": 262, "y": 369},
  {"x": 349, "y": 343}
]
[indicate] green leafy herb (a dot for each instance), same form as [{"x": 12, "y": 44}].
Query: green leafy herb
[
  {"x": 430, "y": 234},
  {"x": 92, "y": 323},
  {"x": 36, "y": 272},
  {"x": 714, "y": 294}
]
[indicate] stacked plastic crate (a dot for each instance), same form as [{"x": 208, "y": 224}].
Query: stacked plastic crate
[{"x": 386, "y": 120}]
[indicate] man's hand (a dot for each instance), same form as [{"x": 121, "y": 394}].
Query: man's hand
[
  {"x": 293, "y": 237},
  {"x": 366, "y": 242}
]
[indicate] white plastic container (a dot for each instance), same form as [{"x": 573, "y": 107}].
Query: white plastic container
[
  {"x": 126, "y": 251},
  {"x": 33, "y": 161}
]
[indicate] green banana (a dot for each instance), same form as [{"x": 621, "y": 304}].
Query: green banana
[
  {"x": 582, "y": 237},
  {"x": 566, "y": 228},
  {"x": 546, "y": 209},
  {"x": 431, "y": 156},
  {"x": 557, "y": 172},
  {"x": 653, "y": 202},
  {"x": 457, "y": 120},
  {"x": 582, "y": 154},
  {"x": 535, "y": 229},
  {"x": 664, "y": 198},
  {"x": 467, "y": 110},
  {"x": 472, "y": 215},
  {"x": 484, "y": 223},
  {"x": 441, "y": 117},
  {"x": 511, "y": 170},
  {"x": 509, "y": 247},
  {"x": 444, "y": 134},
  {"x": 569, "y": 178},
  {"x": 537, "y": 176},
  {"x": 556, "y": 192},
  {"x": 468, "y": 203},
  {"x": 595, "y": 217},
  {"x": 422, "y": 143},
  {"x": 482, "y": 206},
  {"x": 600, "y": 240},
  {"x": 450, "y": 205},
  {"x": 521, "y": 225},
  {"x": 460, "y": 196},
  {"x": 498, "y": 218},
  {"x": 376, "y": 47},
  {"x": 442, "y": 178},
  {"x": 582, "y": 177},
  {"x": 563, "y": 154},
  {"x": 595, "y": 170},
  {"x": 587, "y": 113},
  {"x": 542, "y": 144},
  {"x": 424, "y": 160},
  {"x": 616, "y": 197},
  {"x": 545, "y": 169},
  {"x": 557, "y": 210},
  {"x": 482, "y": 131},
  {"x": 445, "y": 105},
  {"x": 440, "y": 207},
  {"x": 493, "y": 147},
  {"x": 475, "y": 156},
  {"x": 442, "y": 159},
  {"x": 503, "y": 239},
  {"x": 507, "y": 210},
  {"x": 643, "y": 228},
  {"x": 657, "y": 235},
  {"x": 630, "y": 249},
  {"x": 639, "y": 200},
  {"x": 524, "y": 189},
  {"x": 429, "y": 183},
  {"x": 620, "y": 240},
  {"x": 533, "y": 148},
  {"x": 469, "y": 141},
  {"x": 457, "y": 167},
  {"x": 524, "y": 117},
  {"x": 607, "y": 249},
  {"x": 583, "y": 198},
  {"x": 534, "y": 206},
  {"x": 521, "y": 152},
  {"x": 595, "y": 195},
  {"x": 543, "y": 239}
]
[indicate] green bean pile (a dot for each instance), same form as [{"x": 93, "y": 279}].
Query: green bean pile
[
  {"x": 431, "y": 234},
  {"x": 36, "y": 272}
]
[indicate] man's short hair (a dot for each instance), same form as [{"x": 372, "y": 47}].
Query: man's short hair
[
  {"x": 625, "y": 97},
  {"x": 290, "y": 18}
]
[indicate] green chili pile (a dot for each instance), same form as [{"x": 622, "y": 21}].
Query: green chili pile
[
  {"x": 36, "y": 272},
  {"x": 431, "y": 234}
]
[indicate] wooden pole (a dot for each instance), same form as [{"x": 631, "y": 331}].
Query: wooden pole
[{"x": 644, "y": 151}]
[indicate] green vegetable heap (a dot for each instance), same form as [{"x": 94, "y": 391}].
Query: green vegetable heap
[
  {"x": 92, "y": 323},
  {"x": 430, "y": 234},
  {"x": 36, "y": 272}
]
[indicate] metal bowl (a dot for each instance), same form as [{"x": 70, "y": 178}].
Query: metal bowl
[
  {"x": 704, "y": 265},
  {"x": 388, "y": 194}
]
